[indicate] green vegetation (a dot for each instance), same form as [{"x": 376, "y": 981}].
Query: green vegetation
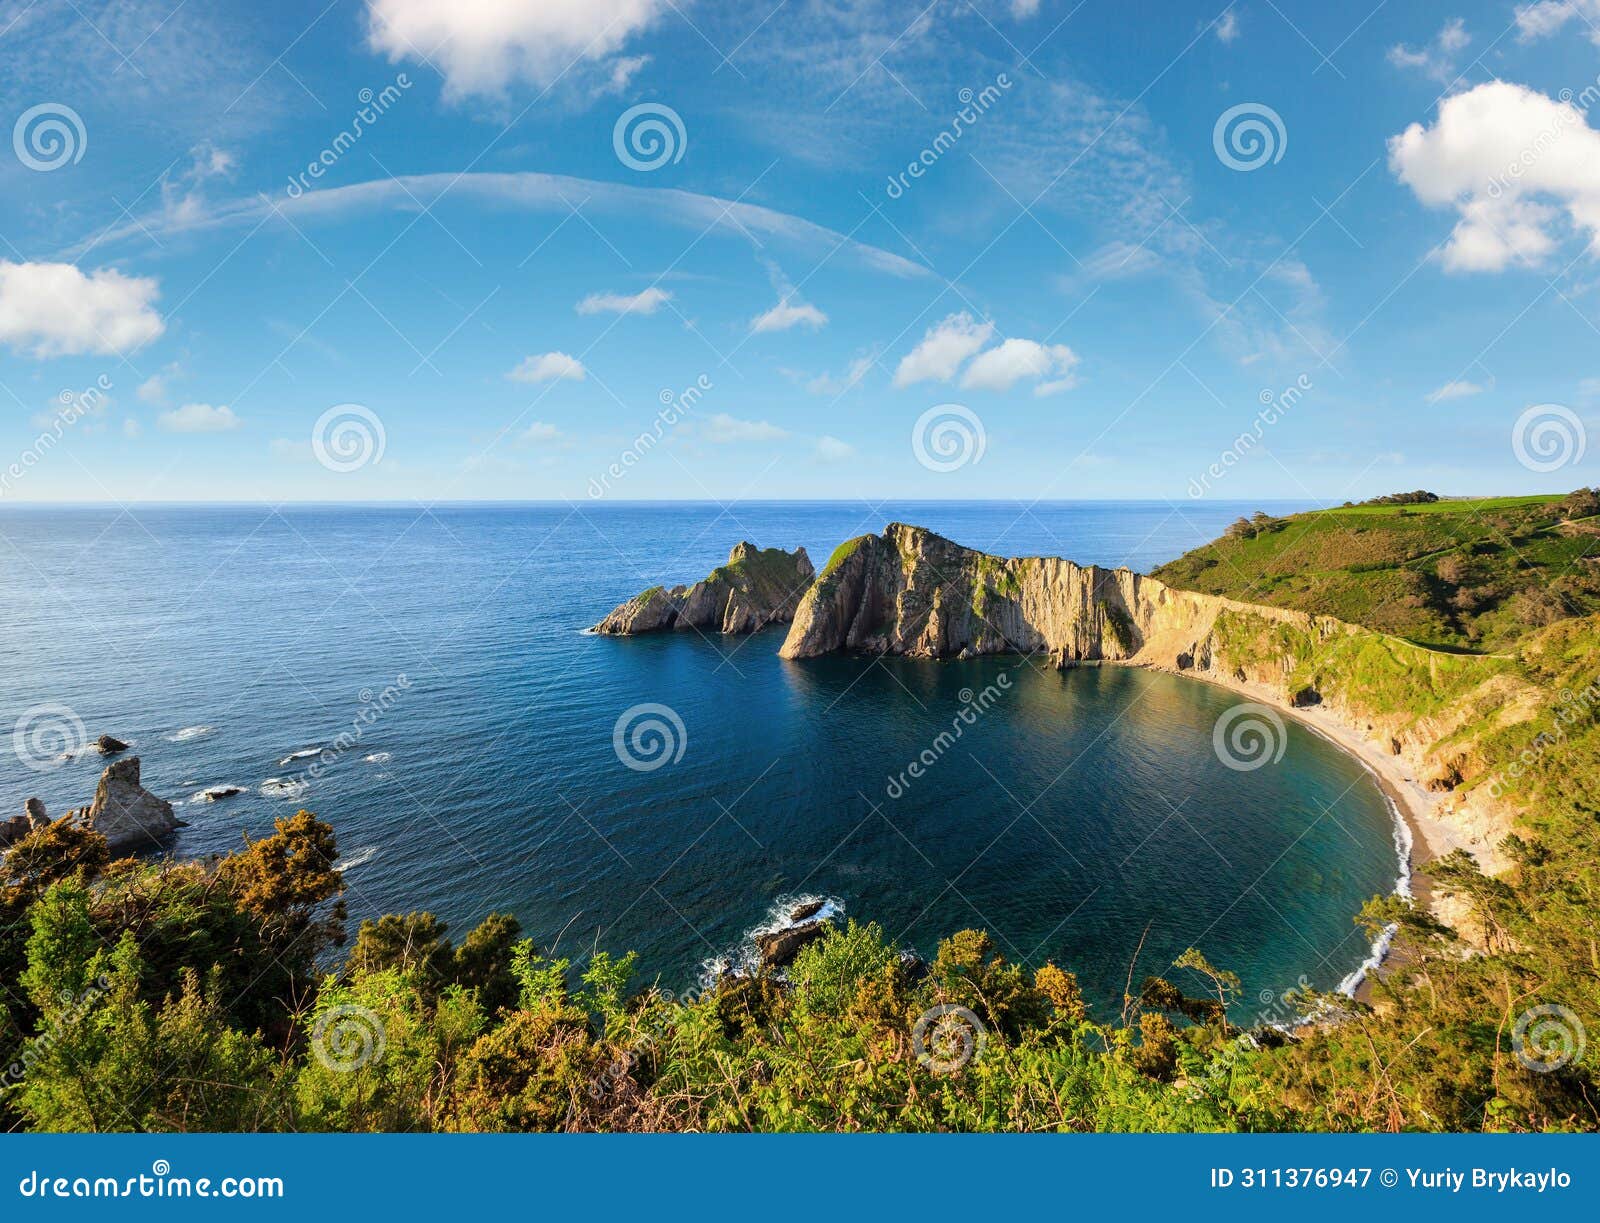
[
  {"x": 212, "y": 995},
  {"x": 842, "y": 553},
  {"x": 1474, "y": 575}
]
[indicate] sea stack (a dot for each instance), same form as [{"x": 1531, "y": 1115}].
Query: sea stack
[
  {"x": 757, "y": 587},
  {"x": 124, "y": 812}
]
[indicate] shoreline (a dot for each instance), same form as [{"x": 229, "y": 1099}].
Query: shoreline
[{"x": 1420, "y": 835}]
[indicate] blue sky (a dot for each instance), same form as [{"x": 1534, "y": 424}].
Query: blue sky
[{"x": 1373, "y": 279}]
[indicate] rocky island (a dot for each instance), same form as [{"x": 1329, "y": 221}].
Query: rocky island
[{"x": 757, "y": 587}]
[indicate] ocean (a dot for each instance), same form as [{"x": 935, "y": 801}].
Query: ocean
[{"x": 670, "y": 794}]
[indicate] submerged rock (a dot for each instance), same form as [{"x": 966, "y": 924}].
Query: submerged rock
[
  {"x": 124, "y": 812},
  {"x": 757, "y": 587},
  {"x": 809, "y": 908}
]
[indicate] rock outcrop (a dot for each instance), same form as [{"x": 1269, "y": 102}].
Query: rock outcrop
[
  {"x": 109, "y": 745},
  {"x": 124, "y": 812},
  {"x": 757, "y": 587},
  {"x": 909, "y": 591},
  {"x": 18, "y": 826},
  {"x": 778, "y": 948}
]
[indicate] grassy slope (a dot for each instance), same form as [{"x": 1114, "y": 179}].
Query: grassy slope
[{"x": 1473, "y": 575}]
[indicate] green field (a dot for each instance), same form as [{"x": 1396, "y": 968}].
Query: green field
[{"x": 1457, "y": 574}]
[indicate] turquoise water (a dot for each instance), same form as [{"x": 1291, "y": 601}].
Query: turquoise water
[{"x": 1077, "y": 810}]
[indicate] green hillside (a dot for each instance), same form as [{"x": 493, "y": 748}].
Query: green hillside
[{"x": 1464, "y": 574}]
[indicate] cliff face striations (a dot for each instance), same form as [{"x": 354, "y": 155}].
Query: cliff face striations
[
  {"x": 757, "y": 587},
  {"x": 909, "y": 591}
]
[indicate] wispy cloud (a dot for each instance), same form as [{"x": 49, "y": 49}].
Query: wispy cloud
[
  {"x": 646, "y": 301},
  {"x": 1436, "y": 59},
  {"x": 724, "y": 429},
  {"x": 199, "y": 418},
  {"x": 540, "y": 192},
  {"x": 1458, "y": 389},
  {"x": 788, "y": 313},
  {"x": 548, "y": 367}
]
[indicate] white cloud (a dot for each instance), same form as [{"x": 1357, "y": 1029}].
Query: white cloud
[
  {"x": 1006, "y": 363},
  {"x": 548, "y": 367},
  {"x": 789, "y": 313},
  {"x": 647, "y": 301},
  {"x": 723, "y": 428},
  {"x": 1438, "y": 58},
  {"x": 831, "y": 450},
  {"x": 131, "y": 427},
  {"x": 482, "y": 46},
  {"x": 943, "y": 348},
  {"x": 1547, "y": 17},
  {"x": 153, "y": 389},
  {"x": 1227, "y": 27},
  {"x": 199, "y": 418},
  {"x": 1496, "y": 154},
  {"x": 54, "y": 310},
  {"x": 1023, "y": 9},
  {"x": 1456, "y": 389},
  {"x": 539, "y": 431}
]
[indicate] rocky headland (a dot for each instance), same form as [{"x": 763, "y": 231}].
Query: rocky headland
[
  {"x": 1405, "y": 710},
  {"x": 757, "y": 587}
]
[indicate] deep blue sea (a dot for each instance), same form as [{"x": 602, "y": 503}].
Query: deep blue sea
[{"x": 480, "y": 771}]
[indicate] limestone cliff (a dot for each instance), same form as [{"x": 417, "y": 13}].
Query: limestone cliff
[
  {"x": 909, "y": 591},
  {"x": 757, "y": 587}
]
